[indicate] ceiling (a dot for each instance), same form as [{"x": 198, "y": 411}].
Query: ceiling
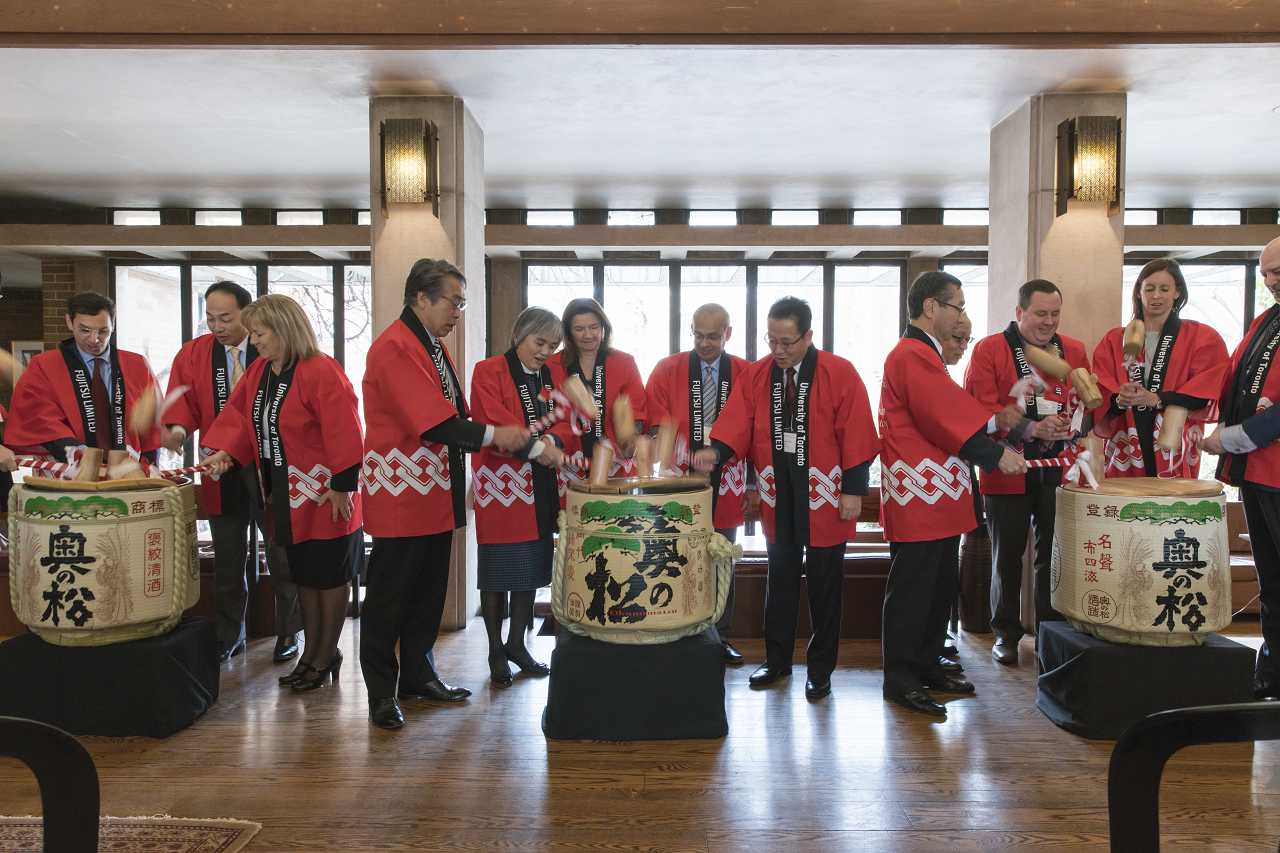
[{"x": 622, "y": 127}]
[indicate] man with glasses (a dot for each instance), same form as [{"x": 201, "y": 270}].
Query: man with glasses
[
  {"x": 416, "y": 437},
  {"x": 930, "y": 429},
  {"x": 1019, "y": 503},
  {"x": 803, "y": 419},
  {"x": 692, "y": 388},
  {"x": 210, "y": 366}
]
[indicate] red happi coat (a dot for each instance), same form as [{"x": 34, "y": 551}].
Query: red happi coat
[
  {"x": 669, "y": 395},
  {"x": 200, "y": 365},
  {"x": 989, "y": 377},
  {"x": 320, "y": 436},
  {"x": 411, "y": 488},
  {"x": 507, "y": 490},
  {"x": 841, "y": 436},
  {"x": 1261, "y": 466},
  {"x": 621, "y": 377},
  {"x": 1197, "y": 364},
  {"x": 925, "y": 418},
  {"x": 44, "y": 407}
]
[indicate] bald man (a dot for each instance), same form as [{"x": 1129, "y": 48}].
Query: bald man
[
  {"x": 691, "y": 388},
  {"x": 1247, "y": 441}
]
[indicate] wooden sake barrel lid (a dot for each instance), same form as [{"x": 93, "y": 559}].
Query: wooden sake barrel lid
[
  {"x": 102, "y": 486},
  {"x": 1152, "y": 487},
  {"x": 644, "y": 485}
]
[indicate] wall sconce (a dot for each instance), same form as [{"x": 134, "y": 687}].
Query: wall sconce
[
  {"x": 1089, "y": 162},
  {"x": 410, "y": 163}
]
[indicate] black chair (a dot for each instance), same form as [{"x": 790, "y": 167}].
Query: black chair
[
  {"x": 67, "y": 778},
  {"x": 1133, "y": 778}
]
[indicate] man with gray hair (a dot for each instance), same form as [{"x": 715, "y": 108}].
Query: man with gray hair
[
  {"x": 691, "y": 389},
  {"x": 417, "y": 430}
]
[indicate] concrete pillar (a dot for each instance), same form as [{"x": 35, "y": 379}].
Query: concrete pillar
[
  {"x": 1081, "y": 251},
  {"x": 410, "y": 232}
]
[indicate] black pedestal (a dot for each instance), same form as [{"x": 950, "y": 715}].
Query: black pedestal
[
  {"x": 152, "y": 687},
  {"x": 609, "y": 691},
  {"x": 1098, "y": 689}
]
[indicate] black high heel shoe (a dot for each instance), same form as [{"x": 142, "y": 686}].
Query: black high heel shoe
[
  {"x": 500, "y": 675},
  {"x": 527, "y": 664},
  {"x": 303, "y": 683},
  {"x": 290, "y": 677}
]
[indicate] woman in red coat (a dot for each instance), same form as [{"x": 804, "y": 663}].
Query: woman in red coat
[
  {"x": 294, "y": 414},
  {"x": 516, "y": 494},
  {"x": 607, "y": 374},
  {"x": 1182, "y": 364}
]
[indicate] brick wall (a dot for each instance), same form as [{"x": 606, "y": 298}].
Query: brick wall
[
  {"x": 20, "y": 320},
  {"x": 58, "y": 281}
]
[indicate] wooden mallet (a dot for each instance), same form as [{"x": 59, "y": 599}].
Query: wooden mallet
[
  {"x": 1085, "y": 383},
  {"x": 1175, "y": 418},
  {"x": 578, "y": 396},
  {"x": 624, "y": 424},
  {"x": 665, "y": 450},
  {"x": 1135, "y": 337}
]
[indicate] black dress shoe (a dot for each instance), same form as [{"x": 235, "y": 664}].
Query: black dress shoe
[
  {"x": 436, "y": 691},
  {"x": 949, "y": 650},
  {"x": 947, "y": 684},
  {"x": 950, "y": 665},
  {"x": 385, "y": 714},
  {"x": 817, "y": 688},
  {"x": 766, "y": 675},
  {"x": 286, "y": 648},
  {"x": 731, "y": 655},
  {"x": 226, "y": 650},
  {"x": 918, "y": 701},
  {"x": 1264, "y": 690}
]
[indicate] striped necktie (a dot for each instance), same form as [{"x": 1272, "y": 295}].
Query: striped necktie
[
  {"x": 237, "y": 369},
  {"x": 709, "y": 399}
]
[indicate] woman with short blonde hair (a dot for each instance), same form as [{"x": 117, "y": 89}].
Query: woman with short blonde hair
[{"x": 294, "y": 414}]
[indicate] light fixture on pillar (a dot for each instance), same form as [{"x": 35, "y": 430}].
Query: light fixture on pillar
[
  {"x": 410, "y": 163},
  {"x": 1089, "y": 162}
]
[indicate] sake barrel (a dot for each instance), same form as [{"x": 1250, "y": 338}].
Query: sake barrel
[
  {"x": 1143, "y": 560},
  {"x": 638, "y": 560},
  {"x": 92, "y": 564}
]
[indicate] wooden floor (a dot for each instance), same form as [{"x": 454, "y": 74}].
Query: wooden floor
[{"x": 849, "y": 773}]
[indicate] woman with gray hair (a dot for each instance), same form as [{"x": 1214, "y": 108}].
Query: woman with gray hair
[{"x": 517, "y": 494}]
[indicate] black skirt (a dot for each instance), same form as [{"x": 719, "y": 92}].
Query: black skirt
[
  {"x": 326, "y": 563},
  {"x": 514, "y": 566}
]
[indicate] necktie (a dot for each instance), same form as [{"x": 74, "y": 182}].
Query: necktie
[
  {"x": 237, "y": 369},
  {"x": 709, "y": 399},
  {"x": 789, "y": 393},
  {"x": 103, "y": 415}
]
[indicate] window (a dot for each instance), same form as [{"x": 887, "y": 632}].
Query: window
[
  {"x": 1215, "y": 297},
  {"x": 358, "y": 321},
  {"x": 363, "y": 217},
  {"x": 966, "y": 217},
  {"x": 866, "y": 328},
  {"x": 312, "y": 288},
  {"x": 1140, "y": 217},
  {"x": 135, "y": 217},
  {"x": 877, "y": 217},
  {"x": 775, "y": 281},
  {"x": 299, "y": 217},
  {"x": 973, "y": 278},
  {"x": 552, "y": 287},
  {"x": 795, "y": 217},
  {"x": 148, "y": 298},
  {"x": 217, "y": 217},
  {"x": 713, "y": 217},
  {"x": 549, "y": 217},
  {"x": 1215, "y": 217},
  {"x": 724, "y": 285},
  {"x": 632, "y": 217},
  {"x": 202, "y": 277},
  {"x": 638, "y": 302}
]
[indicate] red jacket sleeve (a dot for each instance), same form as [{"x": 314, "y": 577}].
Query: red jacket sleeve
[
  {"x": 855, "y": 428},
  {"x": 657, "y": 394},
  {"x": 36, "y": 415},
  {"x": 1209, "y": 361},
  {"x": 333, "y": 404},
  {"x": 736, "y": 424},
  {"x": 233, "y": 430},
  {"x": 632, "y": 385},
  {"x": 185, "y": 411},
  {"x": 943, "y": 412},
  {"x": 982, "y": 375}
]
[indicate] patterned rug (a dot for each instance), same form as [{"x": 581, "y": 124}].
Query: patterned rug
[{"x": 139, "y": 835}]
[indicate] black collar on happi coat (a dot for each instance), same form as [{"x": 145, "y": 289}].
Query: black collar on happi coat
[
  {"x": 1144, "y": 417},
  {"x": 791, "y": 470},
  {"x": 81, "y": 380},
  {"x": 1247, "y": 383},
  {"x": 546, "y": 487},
  {"x": 269, "y": 398},
  {"x": 596, "y": 387}
]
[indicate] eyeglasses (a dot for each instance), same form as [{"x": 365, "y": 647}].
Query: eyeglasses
[
  {"x": 959, "y": 308},
  {"x": 698, "y": 337},
  {"x": 459, "y": 303},
  {"x": 779, "y": 342}
]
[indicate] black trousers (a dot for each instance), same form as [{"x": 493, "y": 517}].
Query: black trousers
[
  {"x": 230, "y": 534},
  {"x": 1262, "y": 514},
  {"x": 923, "y": 578},
  {"x": 408, "y": 577},
  {"x": 824, "y": 569},
  {"x": 726, "y": 619},
  {"x": 1009, "y": 518}
]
